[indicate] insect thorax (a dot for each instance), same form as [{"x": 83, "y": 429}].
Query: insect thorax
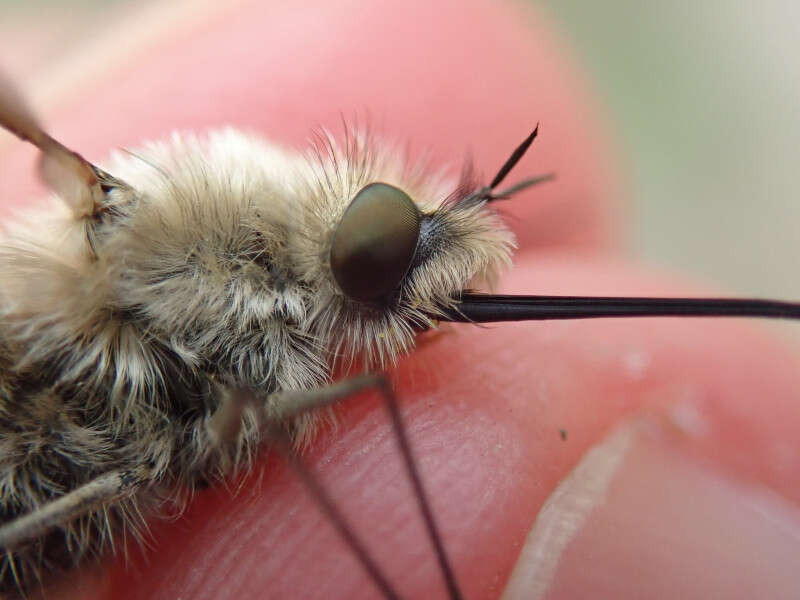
[{"x": 121, "y": 334}]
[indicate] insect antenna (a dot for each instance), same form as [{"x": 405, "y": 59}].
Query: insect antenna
[{"x": 487, "y": 193}]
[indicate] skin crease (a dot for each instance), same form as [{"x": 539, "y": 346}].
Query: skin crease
[{"x": 483, "y": 405}]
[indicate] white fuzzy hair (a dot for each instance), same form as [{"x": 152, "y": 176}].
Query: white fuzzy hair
[{"x": 120, "y": 336}]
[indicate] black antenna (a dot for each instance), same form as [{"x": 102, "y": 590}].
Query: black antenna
[
  {"x": 515, "y": 157},
  {"x": 488, "y": 194}
]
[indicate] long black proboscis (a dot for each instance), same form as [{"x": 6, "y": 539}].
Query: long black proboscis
[{"x": 486, "y": 308}]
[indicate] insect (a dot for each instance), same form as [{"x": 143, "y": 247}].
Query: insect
[{"x": 165, "y": 318}]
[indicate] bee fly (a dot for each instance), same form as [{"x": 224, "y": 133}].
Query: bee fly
[{"x": 162, "y": 320}]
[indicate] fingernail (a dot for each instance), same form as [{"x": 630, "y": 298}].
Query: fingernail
[{"x": 636, "y": 519}]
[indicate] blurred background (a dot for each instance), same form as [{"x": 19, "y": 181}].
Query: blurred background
[
  {"x": 706, "y": 99},
  {"x": 703, "y": 98}
]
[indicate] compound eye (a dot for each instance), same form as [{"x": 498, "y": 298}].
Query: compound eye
[{"x": 375, "y": 242}]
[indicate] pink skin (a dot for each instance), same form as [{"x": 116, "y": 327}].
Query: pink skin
[{"x": 484, "y": 406}]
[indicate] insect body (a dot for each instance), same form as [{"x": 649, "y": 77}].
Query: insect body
[
  {"x": 201, "y": 270},
  {"x": 158, "y": 323}
]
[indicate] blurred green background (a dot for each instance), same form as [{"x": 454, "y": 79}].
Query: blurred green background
[
  {"x": 703, "y": 97},
  {"x": 706, "y": 99}
]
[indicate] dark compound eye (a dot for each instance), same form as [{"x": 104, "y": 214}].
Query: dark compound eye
[{"x": 374, "y": 244}]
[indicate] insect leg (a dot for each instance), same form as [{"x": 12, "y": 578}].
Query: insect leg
[
  {"x": 284, "y": 444},
  {"x": 419, "y": 489},
  {"x": 100, "y": 491},
  {"x": 292, "y": 403},
  {"x": 296, "y": 402},
  {"x": 225, "y": 423}
]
